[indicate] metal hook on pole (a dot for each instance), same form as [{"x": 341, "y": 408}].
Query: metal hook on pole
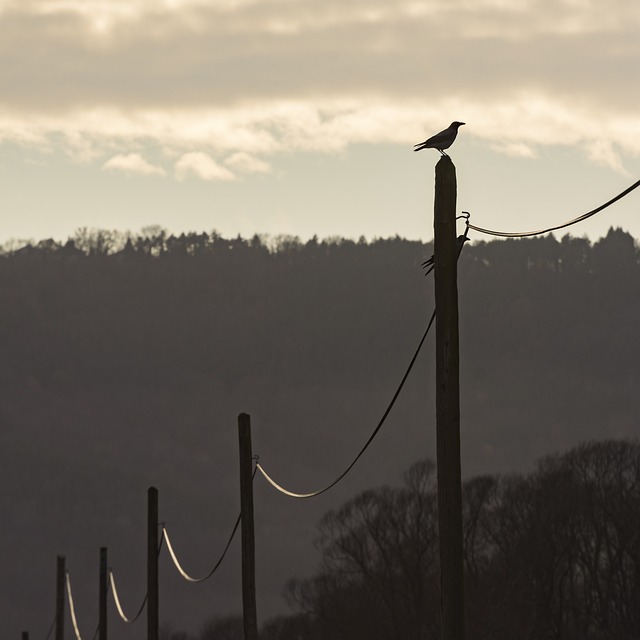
[{"x": 466, "y": 216}]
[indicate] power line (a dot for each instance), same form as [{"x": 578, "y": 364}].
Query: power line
[
  {"x": 584, "y": 216},
  {"x": 313, "y": 494},
  {"x": 176, "y": 562},
  {"x": 72, "y": 609},
  {"x": 116, "y": 599},
  {"x": 182, "y": 572}
]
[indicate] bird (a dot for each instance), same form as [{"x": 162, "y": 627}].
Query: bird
[
  {"x": 442, "y": 140},
  {"x": 430, "y": 263}
]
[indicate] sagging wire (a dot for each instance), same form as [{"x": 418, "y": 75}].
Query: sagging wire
[
  {"x": 116, "y": 599},
  {"x": 178, "y": 566},
  {"x": 72, "y": 609},
  {"x": 313, "y": 494},
  {"x": 176, "y": 562},
  {"x": 584, "y": 216}
]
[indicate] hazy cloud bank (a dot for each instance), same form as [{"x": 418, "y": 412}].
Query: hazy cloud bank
[{"x": 107, "y": 79}]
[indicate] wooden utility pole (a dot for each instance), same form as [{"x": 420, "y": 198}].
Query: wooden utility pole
[
  {"x": 152, "y": 564},
  {"x": 448, "y": 402},
  {"x": 102, "y": 596},
  {"x": 249, "y": 611},
  {"x": 60, "y": 576},
  {"x": 25, "y": 635}
]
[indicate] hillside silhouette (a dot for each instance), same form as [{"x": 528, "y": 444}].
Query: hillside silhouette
[{"x": 126, "y": 360}]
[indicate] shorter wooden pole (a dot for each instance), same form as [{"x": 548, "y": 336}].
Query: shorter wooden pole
[
  {"x": 102, "y": 596},
  {"x": 152, "y": 564},
  {"x": 60, "y": 576},
  {"x": 248, "y": 541}
]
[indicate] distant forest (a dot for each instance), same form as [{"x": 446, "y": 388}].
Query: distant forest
[
  {"x": 115, "y": 308},
  {"x": 126, "y": 359}
]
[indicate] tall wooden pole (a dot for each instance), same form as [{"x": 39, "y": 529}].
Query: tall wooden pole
[
  {"x": 448, "y": 402},
  {"x": 60, "y": 576},
  {"x": 102, "y": 596},
  {"x": 250, "y": 615},
  {"x": 25, "y": 635},
  {"x": 152, "y": 564}
]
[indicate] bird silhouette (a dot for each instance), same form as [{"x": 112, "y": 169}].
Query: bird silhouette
[{"x": 442, "y": 140}]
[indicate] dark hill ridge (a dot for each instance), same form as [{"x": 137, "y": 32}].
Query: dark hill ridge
[{"x": 125, "y": 364}]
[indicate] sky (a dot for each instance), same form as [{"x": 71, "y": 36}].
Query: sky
[{"x": 299, "y": 116}]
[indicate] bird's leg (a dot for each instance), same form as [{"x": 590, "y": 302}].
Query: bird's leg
[{"x": 442, "y": 153}]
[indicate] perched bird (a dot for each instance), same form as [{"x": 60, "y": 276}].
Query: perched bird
[
  {"x": 430, "y": 263},
  {"x": 442, "y": 140}
]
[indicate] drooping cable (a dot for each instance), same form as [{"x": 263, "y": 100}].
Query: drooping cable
[
  {"x": 178, "y": 566},
  {"x": 116, "y": 599},
  {"x": 584, "y": 216},
  {"x": 313, "y": 494},
  {"x": 72, "y": 609},
  {"x": 176, "y": 562}
]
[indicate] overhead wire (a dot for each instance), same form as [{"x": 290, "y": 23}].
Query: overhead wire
[
  {"x": 178, "y": 566},
  {"x": 313, "y": 494},
  {"x": 581, "y": 218},
  {"x": 116, "y": 599},
  {"x": 72, "y": 609},
  {"x": 176, "y": 562}
]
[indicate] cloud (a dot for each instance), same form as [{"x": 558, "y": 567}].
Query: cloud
[
  {"x": 248, "y": 163},
  {"x": 133, "y": 163},
  {"x": 602, "y": 152},
  {"x": 274, "y": 76},
  {"x": 202, "y": 166}
]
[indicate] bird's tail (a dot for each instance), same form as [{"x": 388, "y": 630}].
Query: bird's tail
[
  {"x": 428, "y": 265},
  {"x": 419, "y": 146}
]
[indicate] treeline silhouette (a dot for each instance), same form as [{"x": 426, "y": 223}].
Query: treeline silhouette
[
  {"x": 551, "y": 554},
  {"x": 104, "y": 300},
  {"x": 126, "y": 359}
]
